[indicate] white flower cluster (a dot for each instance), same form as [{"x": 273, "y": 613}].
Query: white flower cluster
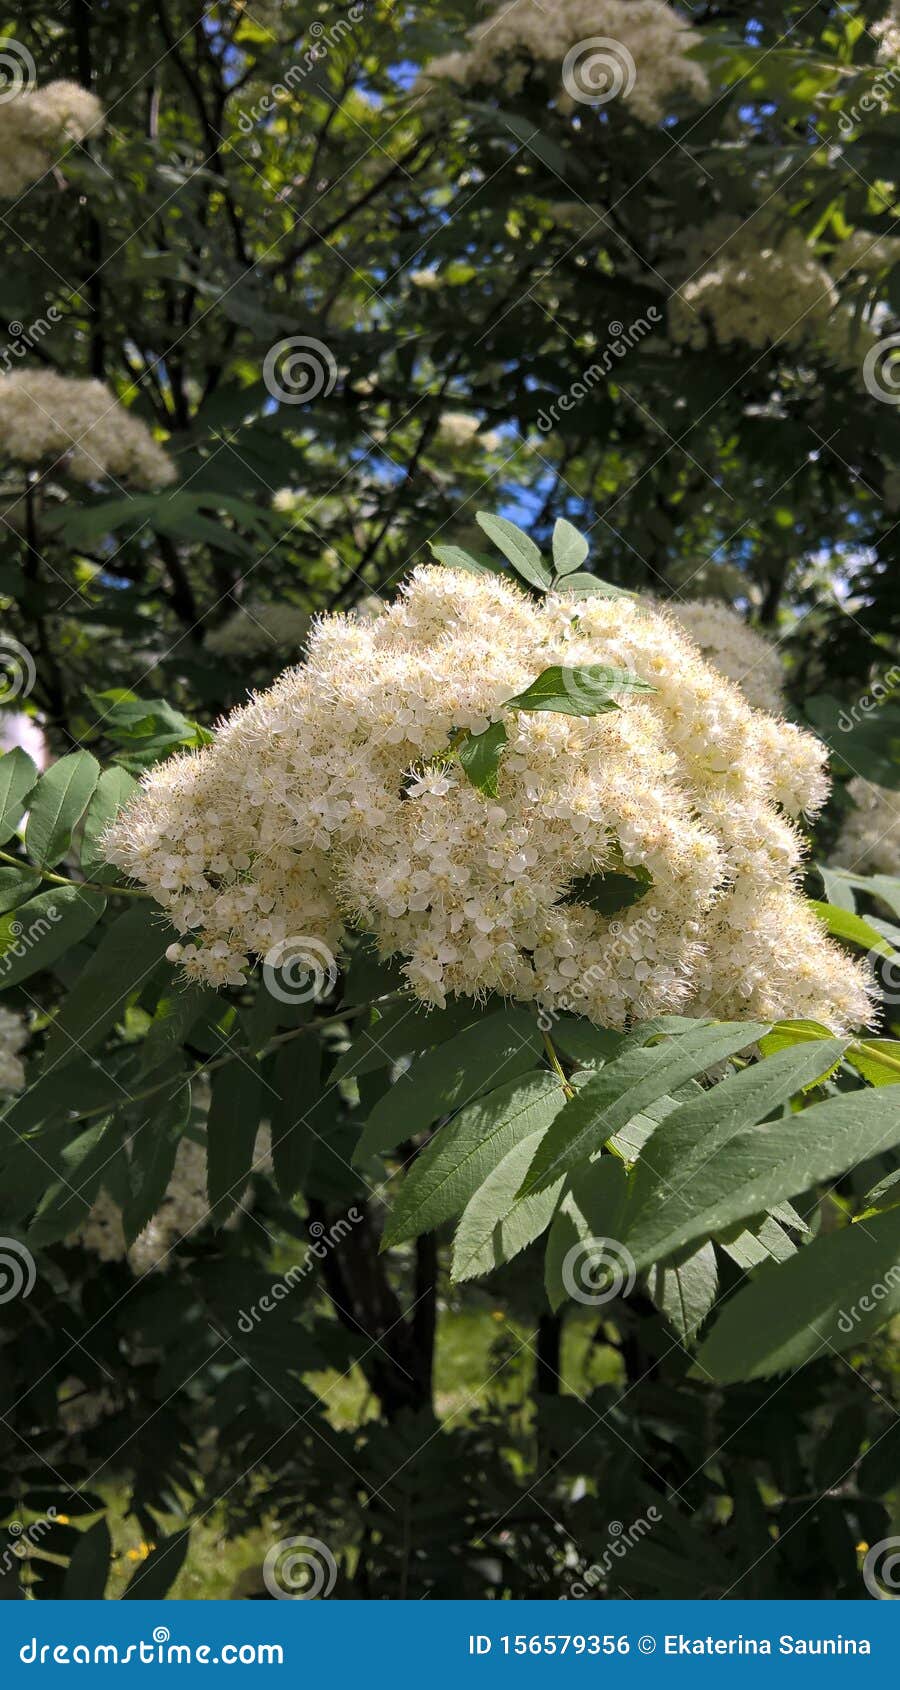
[
  {"x": 36, "y": 124},
  {"x": 258, "y": 627},
  {"x": 183, "y": 1211},
  {"x": 79, "y": 426},
  {"x": 333, "y": 800},
  {"x": 460, "y": 429},
  {"x": 525, "y": 38},
  {"x": 887, "y": 34},
  {"x": 870, "y": 839},
  {"x": 744, "y": 282},
  {"x": 866, "y": 253},
  {"x": 749, "y": 660},
  {"x": 13, "y": 1035}
]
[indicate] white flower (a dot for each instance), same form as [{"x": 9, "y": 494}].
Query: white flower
[
  {"x": 734, "y": 649},
  {"x": 13, "y": 1034},
  {"x": 38, "y": 125},
  {"x": 474, "y": 894},
  {"x": 78, "y": 425},
  {"x": 523, "y": 38}
]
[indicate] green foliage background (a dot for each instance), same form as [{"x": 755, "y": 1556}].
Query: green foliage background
[{"x": 476, "y": 1435}]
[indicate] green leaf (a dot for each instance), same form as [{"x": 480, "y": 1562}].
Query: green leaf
[
  {"x": 757, "y": 1167},
  {"x": 517, "y": 546},
  {"x": 17, "y": 885},
  {"x": 231, "y": 1129},
  {"x": 154, "y": 1579},
  {"x": 590, "y": 1211},
  {"x": 589, "y": 691},
  {"x": 627, "y": 1086},
  {"x": 400, "y": 1029},
  {"x": 878, "y": 1060},
  {"x": 154, "y": 1147},
  {"x": 114, "y": 789},
  {"x": 34, "y": 935},
  {"x": 176, "y": 1015},
  {"x": 686, "y": 1292},
  {"x": 296, "y": 1080},
  {"x": 496, "y": 1224},
  {"x": 829, "y": 1296},
  {"x": 472, "y": 563},
  {"x": 462, "y": 1154},
  {"x": 17, "y": 777},
  {"x": 85, "y": 1164},
  {"x": 609, "y": 893},
  {"x": 569, "y": 547},
  {"x": 479, "y": 1058},
  {"x": 88, "y": 1570},
  {"x": 480, "y": 755},
  {"x": 843, "y": 924},
  {"x": 57, "y": 804},
  {"x": 128, "y": 953},
  {"x": 587, "y": 586}
]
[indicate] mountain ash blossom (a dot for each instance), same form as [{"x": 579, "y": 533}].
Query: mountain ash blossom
[
  {"x": 38, "y": 126},
  {"x": 333, "y": 801},
  {"x": 80, "y": 427},
  {"x": 743, "y": 281},
  {"x": 640, "y": 59},
  {"x": 13, "y": 1035},
  {"x": 870, "y": 840},
  {"x": 734, "y": 649}
]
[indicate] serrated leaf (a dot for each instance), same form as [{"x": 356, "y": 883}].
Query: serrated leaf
[
  {"x": 472, "y": 563},
  {"x": 517, "y": 547},
  {"x": 478, "y": 1059},
  {"x": 589, "y": 1212},
  {"x": 114, "y": 789},
  {"x": 34, "y": 935},
  {"x": 17, "y": 777},
  {"x": 480, "y": 756},
  {"x": 625, "y": 1087},
  {"x": 878, "y": 1060},
  {"x": 231, "y": 1128},
  {"x": 759, "y": 1166},
  {"x": 569, "y": 547},
  {"x": 295, "y": 1077},
  {"x": 128, "y": 953},
  {"x": 588, "y": 691},
  {"x": 57, "y": 804},
  {"x": 85, "y": 1165},
  {"x": 587, "y": 586},
  {"x": 496, "y": 1224},
  {"x": 462, "y": 1154},
  {"x": 686, "y": 1291},
  {"x": 154, "y": 1147},
  {"x": 830, "y": 1295}
]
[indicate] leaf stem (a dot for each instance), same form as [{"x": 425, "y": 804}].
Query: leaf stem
[
  {"x": 556, "y": 1065},
  {"x": 108, "y": 891}
]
